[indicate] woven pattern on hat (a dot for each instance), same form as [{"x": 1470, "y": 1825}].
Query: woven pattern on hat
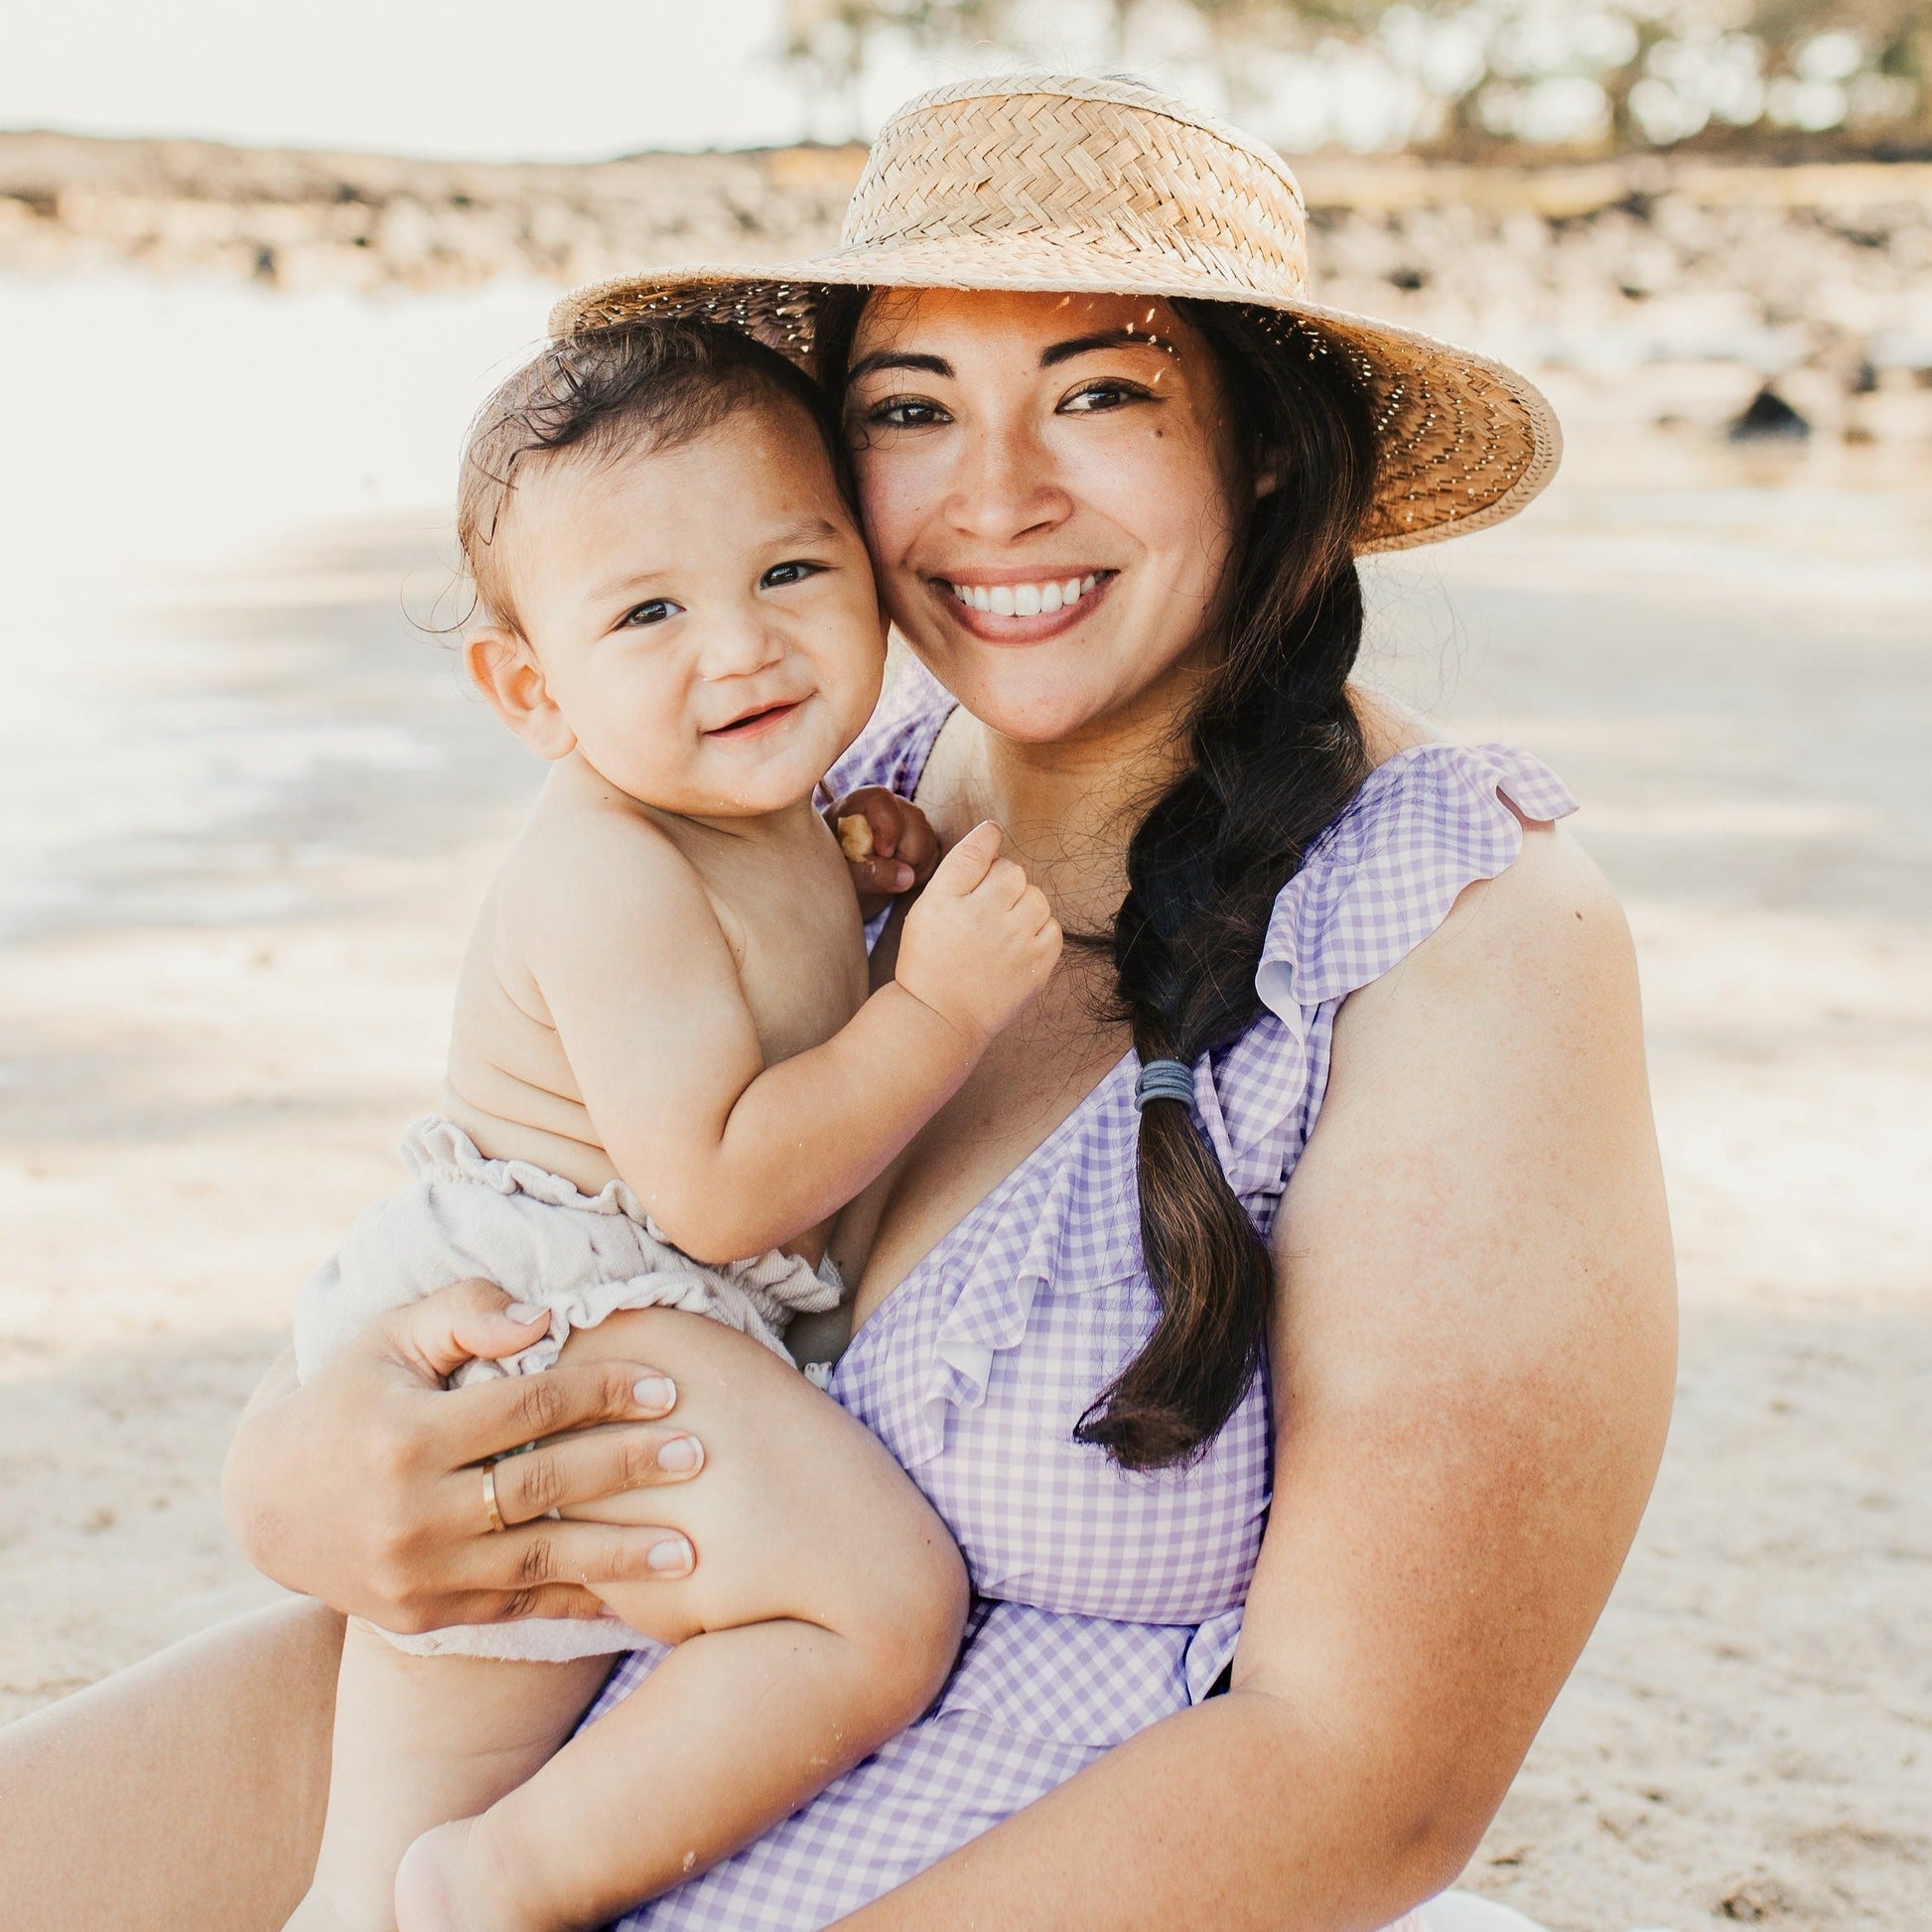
[{"x": 1076, "y": 186}]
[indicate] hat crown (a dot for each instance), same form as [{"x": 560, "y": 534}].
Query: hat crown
[{"x": 1108, "y": 166}]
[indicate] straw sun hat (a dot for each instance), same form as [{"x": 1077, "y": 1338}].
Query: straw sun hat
[{"x": 1082, "y": 186}]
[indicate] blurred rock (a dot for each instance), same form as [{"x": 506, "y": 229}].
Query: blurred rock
[
  {"x": 1769, "y": 417},
  {"x": 1818, "y": 276}
]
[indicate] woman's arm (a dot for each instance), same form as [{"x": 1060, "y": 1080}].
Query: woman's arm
[
  {"x": 1473, "y": 1364},
  {"x": 363, "y": 1487}
]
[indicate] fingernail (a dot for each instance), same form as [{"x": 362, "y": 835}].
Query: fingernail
[
  {"x": 522, "y": 1311},
  {"x": 902, "y": 877},
  {"x": 681, "y": 1453},
  {"x": 656, "y": 1393},
  {"x": 671, "y": 1556}
]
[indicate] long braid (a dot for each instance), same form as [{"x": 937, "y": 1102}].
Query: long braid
[{"x": 1277, "y": 755}]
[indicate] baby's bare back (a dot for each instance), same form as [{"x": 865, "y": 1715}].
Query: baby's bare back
[{"x": 556, "y": 992}]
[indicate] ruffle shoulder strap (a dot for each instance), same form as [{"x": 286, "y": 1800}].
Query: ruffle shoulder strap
[{"x": 1425, "y": 825}]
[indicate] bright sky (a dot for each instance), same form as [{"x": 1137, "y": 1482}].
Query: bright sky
[{"x": 495, "y": 78}]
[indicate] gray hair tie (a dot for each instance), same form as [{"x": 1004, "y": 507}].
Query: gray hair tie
[{"x": 1165, "y": 1080}]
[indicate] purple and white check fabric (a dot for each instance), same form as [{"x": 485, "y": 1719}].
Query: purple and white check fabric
[{"x": 1104, "y": 1601}]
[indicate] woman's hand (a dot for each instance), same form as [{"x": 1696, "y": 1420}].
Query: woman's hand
[
  {"x": 365, "y": 1487},
  {"x": 888, "y": 843}
]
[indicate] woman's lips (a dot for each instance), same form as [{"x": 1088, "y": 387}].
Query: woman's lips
[{"x": 1024, "y": 612}]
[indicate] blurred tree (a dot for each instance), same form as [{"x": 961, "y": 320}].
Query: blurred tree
[{"x": 1465, "y": 74}]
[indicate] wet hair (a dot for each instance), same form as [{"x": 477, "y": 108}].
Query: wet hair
[
  {"x": 600, "y": 394},
  {"x": 1276, "y": 754}
]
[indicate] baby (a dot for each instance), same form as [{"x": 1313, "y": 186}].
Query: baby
[{"x": 665, "y": 1079}]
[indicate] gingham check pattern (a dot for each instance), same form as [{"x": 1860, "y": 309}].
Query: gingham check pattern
[{"x": 1104, "y": 1601}]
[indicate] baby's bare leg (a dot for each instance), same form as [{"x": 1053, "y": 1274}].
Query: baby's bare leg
[
  {"x": 822, "y": 1618},
  {"x": 422, "y": 1739}
]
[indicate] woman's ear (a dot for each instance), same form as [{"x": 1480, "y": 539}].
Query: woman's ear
[
  {"x": 505, "y": 670},
  {"x": 1270, "y": 467}
]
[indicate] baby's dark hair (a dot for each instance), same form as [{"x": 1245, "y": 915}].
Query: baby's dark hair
[{"x": 658, "y": 382}]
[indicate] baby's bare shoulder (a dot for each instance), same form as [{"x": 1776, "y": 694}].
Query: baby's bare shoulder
[{"x": 595, "y": 867}]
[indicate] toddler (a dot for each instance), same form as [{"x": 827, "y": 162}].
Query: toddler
[{"x": 665, "y": 1079}]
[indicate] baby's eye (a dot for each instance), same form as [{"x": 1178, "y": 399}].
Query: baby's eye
[
  {"x": 654, "y": 612},
  {"x": 1094, "y": 396},
  {"x": 795, "y": 570},
  {"x": 906, "y": 412}
]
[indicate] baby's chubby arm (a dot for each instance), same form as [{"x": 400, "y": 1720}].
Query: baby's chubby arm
[{"x": 729, "y": 1156}]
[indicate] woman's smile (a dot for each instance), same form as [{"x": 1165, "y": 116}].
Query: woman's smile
[{"x": 1006, "y": 608}]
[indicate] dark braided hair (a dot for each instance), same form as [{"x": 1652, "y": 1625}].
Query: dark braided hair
[{"x": 1277, "y": 753}]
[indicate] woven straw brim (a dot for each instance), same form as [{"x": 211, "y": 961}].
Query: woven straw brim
[{"x": 1464, "y": 442}]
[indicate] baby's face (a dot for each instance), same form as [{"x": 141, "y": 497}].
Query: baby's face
[{"x": 701, "y": 619}]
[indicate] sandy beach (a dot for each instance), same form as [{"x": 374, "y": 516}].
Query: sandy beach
[{"x": 246, "y": 812}]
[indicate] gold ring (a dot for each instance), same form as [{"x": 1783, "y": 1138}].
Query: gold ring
[{"x": 489, "y": 1497}]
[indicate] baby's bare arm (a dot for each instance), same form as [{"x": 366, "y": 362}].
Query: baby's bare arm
[{"x": 732, "y": 1158}]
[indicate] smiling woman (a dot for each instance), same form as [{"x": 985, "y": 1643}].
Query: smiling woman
[{"x": 1276, "y": 1313}]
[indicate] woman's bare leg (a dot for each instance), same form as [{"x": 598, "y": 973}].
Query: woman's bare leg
[{"x": 183, "y": 1795}]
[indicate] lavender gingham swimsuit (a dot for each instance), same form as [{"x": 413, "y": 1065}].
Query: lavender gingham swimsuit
[{"x": 1103, "y": 1601}]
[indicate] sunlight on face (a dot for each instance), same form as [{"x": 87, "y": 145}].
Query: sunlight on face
[
  {"x": 703, "y": 616},
  {"x": 1052, "y": 488}
]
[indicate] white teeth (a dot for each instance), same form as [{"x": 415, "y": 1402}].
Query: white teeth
[{"x": 1025, "y": 600}]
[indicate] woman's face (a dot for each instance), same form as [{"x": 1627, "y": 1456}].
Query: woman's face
[{"x": 1053, "y": 490}]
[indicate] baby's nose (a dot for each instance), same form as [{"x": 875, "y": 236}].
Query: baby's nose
[{"x": 737, "y": 645}]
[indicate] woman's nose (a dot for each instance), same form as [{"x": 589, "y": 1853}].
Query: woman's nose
[{"x": 1005, "y": 486}]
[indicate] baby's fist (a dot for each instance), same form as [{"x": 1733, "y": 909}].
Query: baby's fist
[
  {"x": 888, "y": 842},
  {"x": 982, "y": 939}
]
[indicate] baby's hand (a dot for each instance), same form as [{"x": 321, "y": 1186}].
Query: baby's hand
[
  {"x": 982, "y": 940},
  {"x": 888, "y": 842}
]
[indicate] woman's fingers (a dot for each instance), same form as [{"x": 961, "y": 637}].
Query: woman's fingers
[
  {"x": 548, "y": 1555},
  {"x": 435, "y": 1336},
  {"x": 490, "y": 1419},
  {"x": 881, "y": 878},
  {"x": 583, "y": 1468}
]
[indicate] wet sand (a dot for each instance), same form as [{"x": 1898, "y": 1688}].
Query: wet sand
[{"x": 245, "y": 814}]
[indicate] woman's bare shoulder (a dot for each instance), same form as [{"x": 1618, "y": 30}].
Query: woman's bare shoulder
[{"x": 1388, "y": 725}]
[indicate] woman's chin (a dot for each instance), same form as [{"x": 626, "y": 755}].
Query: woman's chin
[{"x": 1035, "y": 697}]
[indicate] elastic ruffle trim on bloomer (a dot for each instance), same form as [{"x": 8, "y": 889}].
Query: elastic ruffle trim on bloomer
[
  {"x": 757, "y": 1297},
  {"x": 1424, "y": 826}
]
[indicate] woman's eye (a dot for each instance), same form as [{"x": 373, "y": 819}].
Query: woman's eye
[
  {"x": 655, "y": 611},
  {"x": 906, "y": 412},
  {"x": 794, "y": 572},
  {"x": 1092, "y": 396}
]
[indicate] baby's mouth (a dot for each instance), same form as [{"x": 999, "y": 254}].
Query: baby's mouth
[{"x": 751, "y": 722}]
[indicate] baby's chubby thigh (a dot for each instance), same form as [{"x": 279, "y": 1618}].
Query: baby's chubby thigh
[{"x": 798, "y": 1512}]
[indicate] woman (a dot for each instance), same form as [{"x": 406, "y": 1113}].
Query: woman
[{"x": 1325, "y": 1170}]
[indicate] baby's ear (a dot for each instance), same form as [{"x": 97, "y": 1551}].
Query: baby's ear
[{"x": 505, "y": 670}]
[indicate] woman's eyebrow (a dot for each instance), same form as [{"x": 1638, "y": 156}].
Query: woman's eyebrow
[
  {"x": 897, "y": 358},
  {"x": 1105, "y": 339}
]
